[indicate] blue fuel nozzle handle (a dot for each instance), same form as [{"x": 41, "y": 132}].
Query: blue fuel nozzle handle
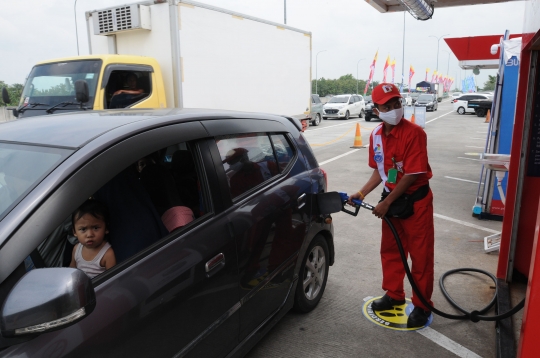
[{"x": 357, "y": 204}]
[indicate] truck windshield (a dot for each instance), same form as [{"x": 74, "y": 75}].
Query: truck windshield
[
  {"x": 52, "y": 83},
  {"x": 22, "y": 167}
]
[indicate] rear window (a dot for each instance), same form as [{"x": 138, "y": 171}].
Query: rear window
[{"x": 22, "y": 167}]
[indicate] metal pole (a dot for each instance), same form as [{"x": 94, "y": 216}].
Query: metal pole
[
  {"x": 76, "y": 32},
  {"x": 316, "y": 68},
  {"x": 285, "y": 11},
  {"x": 438, "y": 42},
  {"x": 403, "y": 56},
  {"x": 357, "y": 74}
]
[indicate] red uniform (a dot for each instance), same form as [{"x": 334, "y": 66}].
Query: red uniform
[{"x": 405, "y": 148}]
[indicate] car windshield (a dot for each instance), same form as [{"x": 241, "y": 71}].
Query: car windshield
[
  {"x": 22, "y": 167},
  {"x": 425, "y": 97},
  {"x": 415, "y": 95},
  {"x": 53, "y": 83},
  {"x": 341, "y": 99},
  {"x": 367, "y": 98}
]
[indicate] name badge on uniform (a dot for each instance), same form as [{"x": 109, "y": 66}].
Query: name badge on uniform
[{"x": 392, "y": 176}]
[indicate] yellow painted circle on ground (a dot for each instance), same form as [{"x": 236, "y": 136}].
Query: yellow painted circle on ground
[{"x": 395, "y": 318}]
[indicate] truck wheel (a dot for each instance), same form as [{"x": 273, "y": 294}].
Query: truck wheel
[
  {"x": 317, "y": 120},
  {"x": 461, "y": 110},
  {"x": 362, "y": 114},
  {"x": 347, "y": 114},
  {"x": 313, "y": 276}
]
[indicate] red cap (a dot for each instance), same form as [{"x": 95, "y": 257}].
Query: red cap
[{"x": 384, "y": 92}]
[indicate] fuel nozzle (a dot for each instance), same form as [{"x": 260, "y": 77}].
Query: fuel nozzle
[{"x": 356, "y": 203}]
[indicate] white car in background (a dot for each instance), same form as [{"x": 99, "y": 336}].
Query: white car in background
[
  {"x": 407, "y": 97},
  {"x": 456, "y": 95},
  {"x": 345, "y": 106},
  {"x": 460, "y": 103}
]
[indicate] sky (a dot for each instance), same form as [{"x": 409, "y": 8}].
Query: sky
[{"x": 348, "y": 32}]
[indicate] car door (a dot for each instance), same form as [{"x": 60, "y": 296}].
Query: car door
[
  {"x": 176, "y": 296},
  {"x": 268, "y": 215}
]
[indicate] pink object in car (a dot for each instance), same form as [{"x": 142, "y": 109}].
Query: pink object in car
[{"x": 176, "y": 217}]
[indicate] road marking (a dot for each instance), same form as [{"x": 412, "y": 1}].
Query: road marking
[
  {"x": 333, "y": 140},
  {"x": 476, "y": 138},
  {"x": 483, "y": 132},
  {"x": 447, "y": 343},
  {"x": 439, "y": 117},
  {"x": 464, "y": 223},
  {"x": 339, "y": 156},
  {"x": 468, "y": 158},
  {"x": 469, "y": 181},
  {"x": 473, "y": 146}
]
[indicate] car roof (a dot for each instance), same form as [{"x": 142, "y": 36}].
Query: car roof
[{"x": 75, "y": 129}]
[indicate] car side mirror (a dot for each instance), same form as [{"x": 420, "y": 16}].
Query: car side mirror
[
  {"x": 81, "y": 91},
  {"x": 45, "y": 300},
  {"x": 5, "y": 96}
]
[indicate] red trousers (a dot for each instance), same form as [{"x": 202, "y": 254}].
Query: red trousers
[{"x": 417, "y": 238}]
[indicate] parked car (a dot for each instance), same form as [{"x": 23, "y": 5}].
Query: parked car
[
  {"x": 456, "y": 95},
  {"x": 316, "y": 110},
  {"x": 407, "y": 98},
  {"x": 460, "y": 104},
  {"x": 414, "y": 96},
  {"x": 427, "y": 100},
  {"x": 367, "y": 100},
  {"x": 255, "y": 244},
  {"x": 369, "y": 113},
  {"x": 345, "y": 106}
]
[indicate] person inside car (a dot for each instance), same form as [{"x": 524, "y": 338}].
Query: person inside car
[{"x": 124, "y": 97}]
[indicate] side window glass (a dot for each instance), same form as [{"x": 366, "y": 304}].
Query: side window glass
[
  {"x": 360, "y": 98},
  {"x": 284, "y": 151},
  {"x": 157, "y": 195},
  {"x": 126, "y": 88},
  {"x": 313, "y": 99},
  {"x": 248, "y": 160}
]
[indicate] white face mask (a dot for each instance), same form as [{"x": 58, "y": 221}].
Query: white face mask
[{"x": 392, "y": 117}]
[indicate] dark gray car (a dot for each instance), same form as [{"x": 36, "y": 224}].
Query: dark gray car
[
  {"x": 256, "y": 244},
  {"x": 316, "y": 110}
]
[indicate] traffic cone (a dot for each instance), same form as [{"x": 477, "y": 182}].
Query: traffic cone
[
  {"x": 412, "y": 119},
  {"x": 357, "y": 138},
  {"x": 488, "y": 116}
]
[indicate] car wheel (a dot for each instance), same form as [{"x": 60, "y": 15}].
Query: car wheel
[
  {"x": 480, "y": 113},
  {"x": 317, "y": 120},
  {"x": 347, "y": 114},
  {"x": 461, "y": 110},
  {"x": 367, "y": 119},
  {"x": 313, "y": 276},
  {"x": 362, "y": 114}
]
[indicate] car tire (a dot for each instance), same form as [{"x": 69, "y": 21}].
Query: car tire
[
  {"x": 480, "y": 113},
  {"x": 367, "y": 118},
  {"x": 317, "y": 120},
  {"x": 312, "y": 276},
  {"x": 347, "y": 115},
  {"x": 362, "y": 114},
  {"x": 461, "y": 110}
]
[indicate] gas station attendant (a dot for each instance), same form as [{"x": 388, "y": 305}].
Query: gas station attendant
[{"x": 398, "y": 156}]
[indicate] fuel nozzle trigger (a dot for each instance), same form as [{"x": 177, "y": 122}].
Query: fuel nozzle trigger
[{"x": 357, "y": 204}]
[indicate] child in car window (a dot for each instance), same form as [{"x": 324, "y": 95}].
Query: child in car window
[{"x": 93, "y": 254}]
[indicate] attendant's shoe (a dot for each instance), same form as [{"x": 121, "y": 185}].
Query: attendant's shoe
[
  {"x": 418, "y": 318},
  {"x": 385, "y": 303}
]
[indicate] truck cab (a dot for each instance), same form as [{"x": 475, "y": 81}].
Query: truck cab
[{"x": 114, "y": 81}]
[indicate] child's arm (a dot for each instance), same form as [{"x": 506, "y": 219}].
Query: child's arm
[
  {"x": 73, "y": 263},
  {"x": 108, "y": 260}
]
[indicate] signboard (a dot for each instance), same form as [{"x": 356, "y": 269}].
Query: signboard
[
  {"x": 420, "y": 116},
  {"x": 408, "y": 112}
]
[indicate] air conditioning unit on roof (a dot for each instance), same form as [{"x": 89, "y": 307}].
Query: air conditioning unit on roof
[{"x": 120, "y": 19}]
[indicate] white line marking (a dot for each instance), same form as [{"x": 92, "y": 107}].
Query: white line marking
[
  {"x": 483, "y": 132},
  {"x": 476, "y": 138},
  {"x": 464, "y": 223},
  {"x": 468, "y": 158},
  {"x": 470, "y": 181},
  {"x": 447, "y": 343},
  {"x": 339, "y": 156},
  {"x": 439, "y": 117},
  {"x": 335, "y": 125},
  {"x": 474, "y": 146}
]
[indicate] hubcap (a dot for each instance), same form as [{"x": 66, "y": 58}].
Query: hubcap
[{"x": 314, "y": 273}]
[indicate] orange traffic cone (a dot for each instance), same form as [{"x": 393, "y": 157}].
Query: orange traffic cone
[
  {"x": 488, "y": 116},
  {"x": 357, "y": 138},
  {"x": 412, "y": 119}
]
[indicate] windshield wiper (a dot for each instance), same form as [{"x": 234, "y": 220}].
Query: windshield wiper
[
  {"x": 30, "y": 106},
  {"x": 63, "y": 104}
]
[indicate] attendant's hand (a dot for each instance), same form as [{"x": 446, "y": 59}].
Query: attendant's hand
[
  {"x": 356, "y": 196},
  {"x": 381, "y": 209}
]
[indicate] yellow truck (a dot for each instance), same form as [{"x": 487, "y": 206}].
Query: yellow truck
[{"x": 180, "y": 54}]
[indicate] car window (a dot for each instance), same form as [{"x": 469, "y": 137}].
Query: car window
[
  {"x": 158, "y": 194},
  {"x": 339, "y": 99},
  {"x": 315, "y": 99},
  {"x": 126, "y": 87},
  {"x": 464, "y": 98},
  {"x": 284, "y": 151},
  {"x": 248, "y": 161}
]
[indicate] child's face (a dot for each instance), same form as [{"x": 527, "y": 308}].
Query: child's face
[{"x": 90, "y": 231}]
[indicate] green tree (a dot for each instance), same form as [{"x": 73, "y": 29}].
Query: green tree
[
  {"x": 344, "y": 84},
  {"x": 14, "y": 92},
  {"x": 489, "y": 85}
]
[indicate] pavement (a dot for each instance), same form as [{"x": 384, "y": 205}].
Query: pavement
[{"x": 337, "y": 327}]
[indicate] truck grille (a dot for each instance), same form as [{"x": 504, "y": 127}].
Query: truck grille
[{"x": 331, "y": 111}]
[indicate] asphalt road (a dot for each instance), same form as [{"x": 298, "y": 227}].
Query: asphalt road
[{"x": 337, "y": 327}]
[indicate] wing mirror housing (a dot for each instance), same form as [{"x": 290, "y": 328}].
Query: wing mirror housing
[
  {"x": 46, "y": 300},
  {"x": 81, "y": 91}
]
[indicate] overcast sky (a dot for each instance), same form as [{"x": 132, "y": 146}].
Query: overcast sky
[{"x": 349, "y": 30}]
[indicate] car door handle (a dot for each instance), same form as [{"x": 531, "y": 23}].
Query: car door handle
[
  {"x": 218, "y": 260},
  {"x": 301, "y": 200}
]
